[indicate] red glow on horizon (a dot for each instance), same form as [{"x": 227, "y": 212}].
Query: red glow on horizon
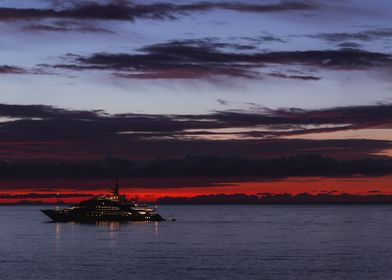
[{"x": 295, "y": 185}]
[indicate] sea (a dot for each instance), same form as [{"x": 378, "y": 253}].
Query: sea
[{"x": 206, "y": 242}]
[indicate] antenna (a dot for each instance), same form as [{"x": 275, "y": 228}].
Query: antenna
[
  {"x": 58, "y": 201},
  {"x": 116, "y": 187}
]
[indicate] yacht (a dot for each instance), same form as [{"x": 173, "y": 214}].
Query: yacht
[{"x": 112, "y": 207}]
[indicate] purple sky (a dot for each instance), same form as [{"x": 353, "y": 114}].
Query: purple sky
[
  {"x": 61, "y": 32},
  {"x": 195, "y": 75},
  {"x": 216, "y": 92}
]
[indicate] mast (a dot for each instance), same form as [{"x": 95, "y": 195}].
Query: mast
[
  {"x": 116, "y": 187},
  {"x": 57, "y": 201}
]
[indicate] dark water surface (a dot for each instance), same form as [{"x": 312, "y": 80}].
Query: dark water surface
[{"x": 206, "y": 242}]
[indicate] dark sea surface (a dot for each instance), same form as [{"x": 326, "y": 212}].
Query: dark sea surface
[{"x": 206, "y": 242}]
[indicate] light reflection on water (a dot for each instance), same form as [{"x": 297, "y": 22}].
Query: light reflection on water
[
  {"x": 216, "y": 242},
  {"x": 58, "y": 230}
]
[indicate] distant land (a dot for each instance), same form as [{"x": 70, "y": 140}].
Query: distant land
[
  {"x": 302, "y": 198},
  {"x": 261, "y": 199}
]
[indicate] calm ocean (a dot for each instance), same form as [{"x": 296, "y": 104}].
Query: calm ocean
[{"x": 206, "y": 242}]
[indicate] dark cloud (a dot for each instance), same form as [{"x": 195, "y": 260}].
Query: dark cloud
[
  {"x": 264, "y": 39},
  {"x": 57, "y": 28},
  {"x": 42, "y": 111},
  {"x": 366, "y": 36},
  {"x": 222, "y": 102},
  {"x": 122, "y": 10},
  {"x": 350, "y": 45},
  {"x": 374, "y": 191},
  {"x": 43, "y": 195},
  {"x": 310, "y": 165},
  {"x": 351, "y": 117},
  {"x": 7, "y": 69},
  {"x": 341, "y": 118},
  {"x": 103, "y": 183},
  {"x": 190, "y": 59},
  {"x": 82, "y": 12},
  {"x": 295, "y": 77},
  {"x": 37, "y": 131}
]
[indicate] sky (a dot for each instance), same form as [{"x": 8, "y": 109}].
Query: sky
[{"x": 143, "y": 81}]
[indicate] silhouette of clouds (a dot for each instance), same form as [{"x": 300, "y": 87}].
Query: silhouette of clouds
[
  {"x": 63, "y": 28},
  {"x": 17, "y": 70},
  {"x": 44, "y": 195},
  {"x": 295, "y": 77},
  {"x": 340, "y": 118},
  {"x": 127, "y": 11},
  {"x": 80, "y": 12},
  {"x": 38, "y": 131},
  {"x": 365, "y": 36},
  {"x": 193, "y": 59},
  {"x": 350, "y": 45},
  {"x": 264, "y": 39},
  {"x": 222, "y": 102},
  {"x": 7, "y": 69},
  {"x": 233, "y": 167}
]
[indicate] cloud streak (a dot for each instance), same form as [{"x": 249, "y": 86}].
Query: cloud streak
[
  {"x": 364, "y": 36},
  {"x": 64, "y": 28},
  {"x": 123, "y": 11},
  {"x": 37, "y": 131},
  {"x": 7, "y": 69},
  {"x": 310, "y": 165},
  {"x": 43, "y": 195},
  {"x": 194, "y": 59}
]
